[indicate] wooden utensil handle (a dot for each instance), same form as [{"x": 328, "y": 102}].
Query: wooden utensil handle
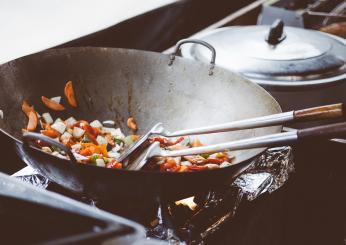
[
  {"x": 320, "y": 112},
  {"x": 323, "y": 132}
]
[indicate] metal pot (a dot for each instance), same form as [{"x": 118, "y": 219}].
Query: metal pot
[{"x": 299, "y": 67}]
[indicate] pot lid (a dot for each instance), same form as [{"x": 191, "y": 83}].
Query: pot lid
[{"x": 275, "y": 55}]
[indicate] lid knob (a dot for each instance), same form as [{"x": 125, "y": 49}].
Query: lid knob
[{"x": 276, "y": 33}]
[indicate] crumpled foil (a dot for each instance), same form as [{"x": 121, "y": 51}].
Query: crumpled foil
[
  {"x": 30, "y": 175},
  {"x": 267, "y": 173},
  {"x": 177, "y": 224}
]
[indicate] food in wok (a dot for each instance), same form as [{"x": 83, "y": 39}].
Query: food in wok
[{"x": 101, "y": 144}]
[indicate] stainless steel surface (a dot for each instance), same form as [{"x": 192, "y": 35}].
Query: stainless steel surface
[
  {"x": 158, "y": 129},
  {"x": 263, "y": 141},
  {"x": 306, "y": 58},
  {"x": 324, "y": 14},
  {"x": 271, "y": 120},
  {"x": 195, "y": 41}
]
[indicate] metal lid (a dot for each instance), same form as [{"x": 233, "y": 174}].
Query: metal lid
[{"x": 276, "y": 55}]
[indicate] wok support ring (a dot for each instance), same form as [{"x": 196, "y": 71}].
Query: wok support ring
[{"x": 196, "y": 41}]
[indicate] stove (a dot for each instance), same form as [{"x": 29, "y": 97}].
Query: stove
[
  {"x": 198, "y": 219},
  {"x": 287, "y": 196}
]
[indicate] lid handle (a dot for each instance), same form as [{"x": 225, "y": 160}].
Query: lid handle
[{"x": 276, "y": 33}]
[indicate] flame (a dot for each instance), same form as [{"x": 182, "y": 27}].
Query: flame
[{"x": 187, "y": 202}]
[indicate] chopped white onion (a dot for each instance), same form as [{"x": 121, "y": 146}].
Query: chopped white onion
[
  {"x": 66, "y": 136},
  {"x": 112, "y": 154},
  {"x": 59, "y": 126},
  {"x": 78, "y": 132},
  {"x": 225, "y": 164},
  {"x": 57, "y": 99},
  {"x": 177, "y": 160},
  {"x": 76, "y": 147},
  {"x": 100, "y": 163},
  {"x": 96, "y": 124},
  {"x": 109, "y": 122},
  {"x": 79, "y": 157},
  {"x": 46, "y": 149},
  {"x": 47, "y": 118},
  {"x": 57, "y": 154},
  {"x": 185, "y": 163},
  {"x": 58, "y": 120},
  {"x": 116, "y": 148},
  {"x": 101, "y": 140},
  {"x": 114, "y": 132},
  {"x": 212, "y": 166},
  {"x": 70, "y": 121}
]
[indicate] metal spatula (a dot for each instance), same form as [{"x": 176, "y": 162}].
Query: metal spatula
[
  {"x": 280, "y": 139},
  {"x": 315, "y": 113}
]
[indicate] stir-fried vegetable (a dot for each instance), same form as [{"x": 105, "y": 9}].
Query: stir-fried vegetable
[
  {"x": 51, "y": 104},
  {"x": 101, "y": 144},
  {"x": 131, "y": 123},
  {"x": 69, "y": 93}
]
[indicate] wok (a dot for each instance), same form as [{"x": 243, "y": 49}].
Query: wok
[{"x": 114, "y": 83}]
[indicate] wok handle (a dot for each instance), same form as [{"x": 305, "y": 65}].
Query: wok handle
[
  {"x": 323, "y": 132},
  {"x": 27, "y": 136},
  {"x": 309, "y": 114},
  {"x": 320, "y": 112},
  {"x": 196, "y": 41},
  {"x": 271, "y": 140}
]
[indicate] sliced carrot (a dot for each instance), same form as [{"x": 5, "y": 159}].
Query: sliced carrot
[
  {"x": 196, "y": 143},
  {"x": 26, "y": 108},
  {"x": 114, "y": 164},
  {"x": 131, "y": 123},
  {"x": 33, "y": 121},
  {"x": 135, "y": 137},
  {"x": 183, "y": 169},
  {"x": 51, "y": 104},
  {"x": 69, "y": 93},
  {"x": 52, "y": 133}
]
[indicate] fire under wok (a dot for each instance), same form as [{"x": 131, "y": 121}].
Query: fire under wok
[{"x": 114, "y": 84}]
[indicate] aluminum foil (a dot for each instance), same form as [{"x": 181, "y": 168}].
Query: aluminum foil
[{"x": 30, "y": 175}]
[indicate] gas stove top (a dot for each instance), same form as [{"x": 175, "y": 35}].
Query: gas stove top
[{"x": 198, "y": 219}]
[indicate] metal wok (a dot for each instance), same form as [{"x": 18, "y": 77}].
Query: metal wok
[{"x": 113, "y": 83}]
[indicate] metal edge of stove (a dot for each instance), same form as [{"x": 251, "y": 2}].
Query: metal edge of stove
[{"x": 13, "y": 188}]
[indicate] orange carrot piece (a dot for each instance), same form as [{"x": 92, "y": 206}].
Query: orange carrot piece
[
  {"x": 69, "y": 93},
  {"x": 131, "y": 123},
  {"x": 51, "y": 104},
  {"x": 33, "y": 121},
  {"x": 52, "y": 133},
  {"x": 26, "y": 108}
]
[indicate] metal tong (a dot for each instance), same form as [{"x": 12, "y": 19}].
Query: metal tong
[{"x": 315, "y": 113}]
